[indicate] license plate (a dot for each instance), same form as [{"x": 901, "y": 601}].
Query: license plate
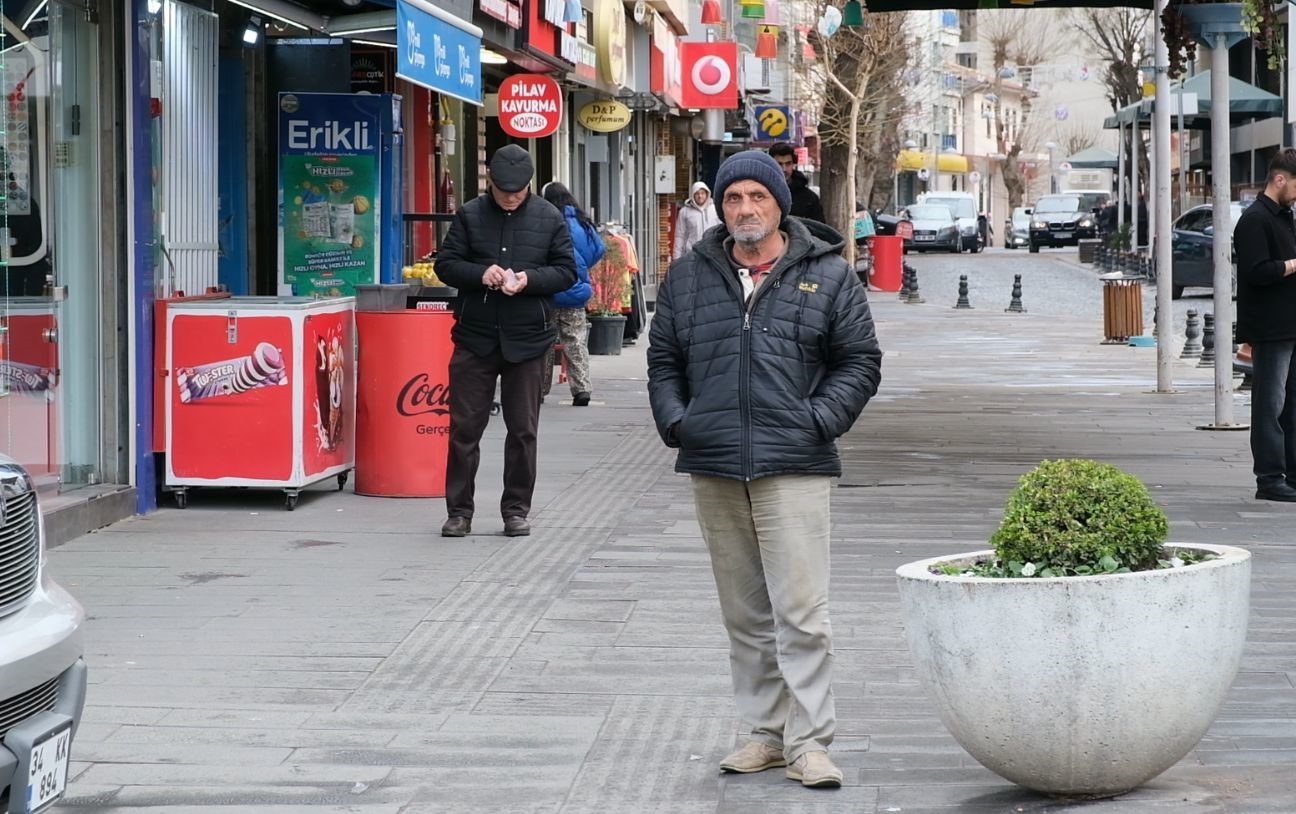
[
  {"x": 1062, "y": 235},
  {"x": 47, "y": 778},
  {"x": 926, "y": 238}
]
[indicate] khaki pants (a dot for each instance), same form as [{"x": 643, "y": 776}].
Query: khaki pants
[{"x": 769, "y": 553}]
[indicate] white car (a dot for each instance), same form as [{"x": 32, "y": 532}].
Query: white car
[
  {"x": 42, "y": 672},
  {"x": 964, "y": 208}
]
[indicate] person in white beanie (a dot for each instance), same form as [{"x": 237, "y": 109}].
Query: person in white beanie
[{"x": 696, "y": 216}]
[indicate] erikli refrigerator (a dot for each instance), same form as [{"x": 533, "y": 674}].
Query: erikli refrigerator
[{"x": 340, "y": 192}]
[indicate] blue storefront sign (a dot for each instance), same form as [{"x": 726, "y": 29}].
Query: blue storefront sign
[{"x": 438, "y": 52}]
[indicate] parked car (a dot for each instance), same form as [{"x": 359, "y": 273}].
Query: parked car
[
  {"x": 42, "y": 672},
  {"x": 1017, "y": 228},
  {"x": 934, "y": 229},
  {"x": 1192, "y": 246},
  {"x": 963, "y": 207},
  {"x": 1060, "y": 220}
]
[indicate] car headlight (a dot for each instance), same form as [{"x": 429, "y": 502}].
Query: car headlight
[
  {"x": 1086, "y": 223},
  {"x": 969, "y": 230},
  {"x": 1038, "y": 224}
]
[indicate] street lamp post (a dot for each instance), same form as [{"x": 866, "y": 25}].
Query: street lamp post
[{"x": 1051, "y": 146}]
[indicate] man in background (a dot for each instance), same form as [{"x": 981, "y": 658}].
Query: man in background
[{"x": 805, "y": 203}]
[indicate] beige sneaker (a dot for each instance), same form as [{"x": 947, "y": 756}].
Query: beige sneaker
[
  {"x": 754, "y": 757},
  {"x": 815, "y": 770}
]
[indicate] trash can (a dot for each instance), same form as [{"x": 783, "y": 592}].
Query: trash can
[
  {"x": 1087, "y": 250},
  {"x": 887, "y": 260},
  {"x": 403, "y": 402},
  {"x": 1122, "y": 308}
]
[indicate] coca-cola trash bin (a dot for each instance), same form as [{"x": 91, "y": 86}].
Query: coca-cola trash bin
[
  {"x": 403, "y": 402},
  {"x": 888, "y": 253}
]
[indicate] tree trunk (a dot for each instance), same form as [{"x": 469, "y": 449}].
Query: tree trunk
[
  {"x": 852, "y": 161},
  {"x": 838, "y": 208}
]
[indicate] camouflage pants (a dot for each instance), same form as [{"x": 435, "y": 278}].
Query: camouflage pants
[{"x": 573, "y": 332}]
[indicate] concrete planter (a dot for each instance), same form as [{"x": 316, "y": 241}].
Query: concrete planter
[{"x": 1079, "y": 686}]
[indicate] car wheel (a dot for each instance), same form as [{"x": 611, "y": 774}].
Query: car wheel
[
  {"x": 1034, "y": 247},
  {"x": 1176, "y": 292},
  {"x": 957, "y": 247}
]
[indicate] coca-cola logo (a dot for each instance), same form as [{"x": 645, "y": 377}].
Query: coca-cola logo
[{"x": 420, "y": 397}]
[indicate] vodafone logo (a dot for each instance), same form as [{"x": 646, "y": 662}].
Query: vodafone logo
[{"x": 711, "y": 75}]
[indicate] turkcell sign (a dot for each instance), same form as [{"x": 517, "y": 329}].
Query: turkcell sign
[{"x": 434, "y": 53}]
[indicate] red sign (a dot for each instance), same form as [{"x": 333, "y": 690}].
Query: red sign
[
  {"x": 530, "y": 105},
  {"x": 709, "y": 75},
  {"x": 328, "y": 391}
]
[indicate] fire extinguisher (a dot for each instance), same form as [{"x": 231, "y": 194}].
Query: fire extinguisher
[{"x": 447, "y": 193}]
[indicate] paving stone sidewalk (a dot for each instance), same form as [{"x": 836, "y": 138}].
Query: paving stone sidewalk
[{"x": 344, "y": 658}]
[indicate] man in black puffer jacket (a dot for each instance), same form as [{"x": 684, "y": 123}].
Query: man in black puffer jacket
[
  {"x": 508, "y": 252},
  {"x": 762, "y": 352}
]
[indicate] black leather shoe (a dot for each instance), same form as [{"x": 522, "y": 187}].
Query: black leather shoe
[
  {"x": 581, "y": 399},
  {"x": 516, "y": 527},
  {"x": 1280, "y": 492},
  {"x": 456, "y": 527}
]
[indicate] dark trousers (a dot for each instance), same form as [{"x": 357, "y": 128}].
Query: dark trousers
[
  {"x": 1273, "y": 411},
  {"x": 472, "y": 391}
]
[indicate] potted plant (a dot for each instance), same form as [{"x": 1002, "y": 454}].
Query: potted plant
[
  {"x": 1082, "y": 656},
  {"x": 1182, "y": 22},
  {"x": 611, "y": 283}
]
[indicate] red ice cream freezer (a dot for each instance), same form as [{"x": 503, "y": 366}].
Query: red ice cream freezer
[
  {"x": 29, "y": 382},
  {"x": 260, "y": 392}
]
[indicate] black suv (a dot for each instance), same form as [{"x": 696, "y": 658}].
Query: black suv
[{"x": 1061, "y": 220}]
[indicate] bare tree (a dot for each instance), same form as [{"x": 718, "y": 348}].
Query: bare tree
[
  {"x": 1075, "y": 136},
  {"x": 862, "y": 107},
  {"x": 1018, "y": 40},
  {"x": 1117, "y": 35}
]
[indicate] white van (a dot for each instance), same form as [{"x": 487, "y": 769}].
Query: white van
[{"x": 963, "y": 206}]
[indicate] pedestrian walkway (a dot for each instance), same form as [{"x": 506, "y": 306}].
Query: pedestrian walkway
[{"x": 345, "y": 658}]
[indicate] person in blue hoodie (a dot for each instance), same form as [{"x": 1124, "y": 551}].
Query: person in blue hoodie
[{"x": 570, "y": 304}]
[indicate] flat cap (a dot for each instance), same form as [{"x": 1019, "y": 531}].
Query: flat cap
[{"x": 511, "y": 168}]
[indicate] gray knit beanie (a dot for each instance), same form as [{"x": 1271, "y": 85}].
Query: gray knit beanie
[{"x": 753, "y": 165}]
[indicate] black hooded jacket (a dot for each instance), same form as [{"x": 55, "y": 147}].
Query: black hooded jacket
[
  {"x": 765, "y": 389},
  {"x": 532, "y": 238},
  {"x": 805, "y": 203}
]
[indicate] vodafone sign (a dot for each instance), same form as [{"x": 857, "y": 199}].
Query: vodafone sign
[
  {"x": 530, "y": 105},
  {"x": 709, "y": 75}
]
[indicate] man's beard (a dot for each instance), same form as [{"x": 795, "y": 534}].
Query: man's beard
[{"x": 749, "y": 235}]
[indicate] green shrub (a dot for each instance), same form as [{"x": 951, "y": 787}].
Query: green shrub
[{"x": 1079, "y": 517}]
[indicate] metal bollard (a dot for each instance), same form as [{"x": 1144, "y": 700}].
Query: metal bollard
[
  {"x": 914, "y": 297},
  {"x": 963, "y": 293},
  {"x": 1015, "y": 306},
  {"x": 1208, "y": 343},
  {"x": 1192, "y": 348}
]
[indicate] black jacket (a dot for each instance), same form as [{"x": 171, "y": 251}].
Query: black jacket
[
  {"x": 764, "y": 390},
  {"x": 805, "y": 204},
  {"x": 1264, "y": 238},
  {"x": 532, "y": 238}
]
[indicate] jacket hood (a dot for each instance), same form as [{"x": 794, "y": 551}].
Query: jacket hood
[
  {"x": 807, "y": 240},
  {"x": 696, "y": 186},
  {"x": 798, "y": 179},
  {"x": 710, "y": 203}
]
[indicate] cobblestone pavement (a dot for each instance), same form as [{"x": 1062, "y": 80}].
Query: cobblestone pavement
[{"x": 345, "y": 658}]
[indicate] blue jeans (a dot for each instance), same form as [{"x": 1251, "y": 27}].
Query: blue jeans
[{"x": 1273, "y": 411}]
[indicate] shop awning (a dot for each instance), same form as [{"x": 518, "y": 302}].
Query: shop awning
[
  {"x": 438, "y": 51},
  {"x": 1094, "y": 158},
  {"x": 913, "y": 160},
  {"x": 1246, "y": 102}
]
